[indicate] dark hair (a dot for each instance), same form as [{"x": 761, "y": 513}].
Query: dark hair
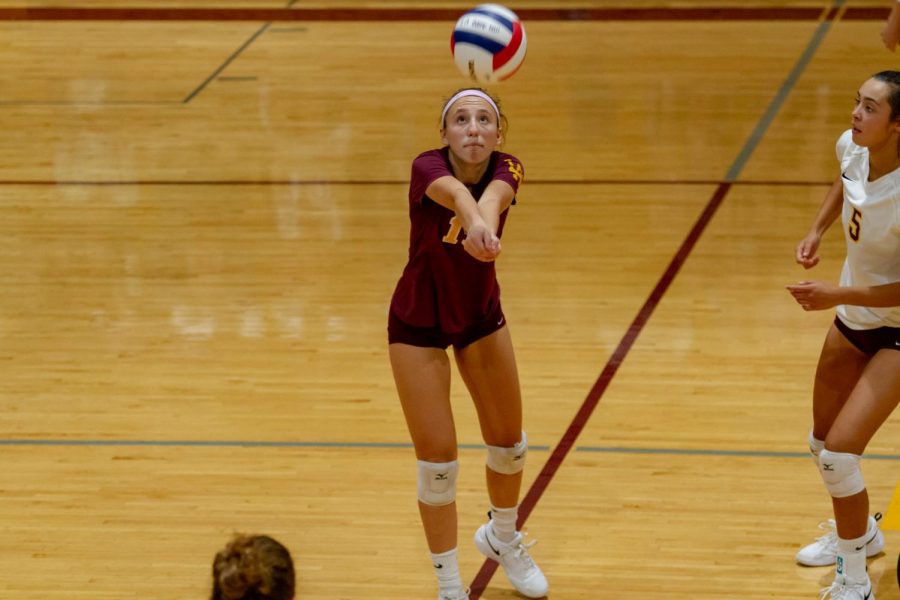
[
  {"x": 502, "y": 122},
  {"x": 253, "y": 568},
  {"x": 892, "y": 78}
]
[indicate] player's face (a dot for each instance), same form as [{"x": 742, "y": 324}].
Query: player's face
[
  {"x": 871, "y": 117},
  {"x": 471, "y": 129}
]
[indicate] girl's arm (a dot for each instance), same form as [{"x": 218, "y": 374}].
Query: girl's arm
[
  {"x": 806, "y": 253},
  {"x": 817, "y": 295},
  {"x": 481, "y": 241}
]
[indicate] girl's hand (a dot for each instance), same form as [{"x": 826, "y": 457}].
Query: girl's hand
[
  {"x": 815, "y": 295},
  {"x": 806, "y": 251},
  {"x": 482, "y": 243}
]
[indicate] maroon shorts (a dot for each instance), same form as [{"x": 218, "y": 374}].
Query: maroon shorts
[
  {"x": 870, "y": 341},
  {"x": 433, "y": 337}
]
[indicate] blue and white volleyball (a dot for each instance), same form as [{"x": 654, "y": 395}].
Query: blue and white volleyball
[{"x": 488, "y": 43}]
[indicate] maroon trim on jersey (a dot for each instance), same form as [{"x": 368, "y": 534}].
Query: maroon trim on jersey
[{"x": 442, "y": 285}]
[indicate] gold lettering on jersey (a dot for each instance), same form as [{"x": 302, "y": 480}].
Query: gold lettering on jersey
[
  {"x": 514, "y": 168},
  {"x": 452, "y": 236},
  {"x": 853, "y": 228}
]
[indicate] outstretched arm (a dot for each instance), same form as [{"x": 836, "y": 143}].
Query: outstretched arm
[
  {"x": 450, "y": 192},
  {"x": 497, "y": 197}
]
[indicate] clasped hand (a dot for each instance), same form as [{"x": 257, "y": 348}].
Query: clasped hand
[{"x": 482, "y": 243}]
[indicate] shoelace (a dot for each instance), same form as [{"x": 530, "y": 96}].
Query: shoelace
[
  {"x": 831, "y": 536},
  {"x": 838, "y": 591},
  {"x": 521, "y": 551}
]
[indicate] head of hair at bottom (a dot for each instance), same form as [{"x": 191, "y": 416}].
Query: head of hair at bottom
[{"x": 253, "y": 567}]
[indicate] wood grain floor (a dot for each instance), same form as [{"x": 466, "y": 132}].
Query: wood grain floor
[{"x": 201, "y": 223}]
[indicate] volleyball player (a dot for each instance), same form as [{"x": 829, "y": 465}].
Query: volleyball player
[
  {"x": 448, "y": 295},
  {"x": 857, "y": 382}
]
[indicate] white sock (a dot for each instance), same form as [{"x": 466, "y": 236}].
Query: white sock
[
  {"x": 446, "y": 567},
  {"x": 503, "y": 522},
  {"x": 851, "y": 560}
]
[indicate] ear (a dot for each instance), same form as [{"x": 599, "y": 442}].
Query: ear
[{"x": 444, "y": 139}]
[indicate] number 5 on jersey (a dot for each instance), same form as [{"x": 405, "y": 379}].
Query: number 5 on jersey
[{"x": 855, "y": 224}]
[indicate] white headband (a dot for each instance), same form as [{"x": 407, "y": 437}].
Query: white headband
[{"x": 477, "y": 93}]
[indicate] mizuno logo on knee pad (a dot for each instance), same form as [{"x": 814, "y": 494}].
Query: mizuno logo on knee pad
[
  {"x": 508, "y": 461},
  {"x": 437, "y": 482},
  {"x": 841, "y": 474}
]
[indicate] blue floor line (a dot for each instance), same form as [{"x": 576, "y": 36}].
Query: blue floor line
[
  {"x": 228, "y": 444},
  {"x": 349, "y": 445}
]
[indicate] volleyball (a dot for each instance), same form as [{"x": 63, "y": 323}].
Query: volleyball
[{"x": 488, "y": 43}]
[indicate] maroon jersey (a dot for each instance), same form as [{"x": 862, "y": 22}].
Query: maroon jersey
[{"x": 443, "y": 285}]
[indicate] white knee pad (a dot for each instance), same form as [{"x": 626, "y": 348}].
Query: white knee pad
[
  {"x": 437, "y": 482},
  {"x": 508, "y": 461},
  {"x": 840, "y": 471},
  {"x": 815, "y": 447}
]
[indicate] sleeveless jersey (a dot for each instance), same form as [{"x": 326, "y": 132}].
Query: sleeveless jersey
[
  {"x": 871, "y": 221},
  {"x": 442, "y": 285}
]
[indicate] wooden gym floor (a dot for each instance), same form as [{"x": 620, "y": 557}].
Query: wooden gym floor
[{"x": 202, "y": 217}]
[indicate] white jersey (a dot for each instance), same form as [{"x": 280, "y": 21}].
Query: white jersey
[{"x": 871, "y": 220}]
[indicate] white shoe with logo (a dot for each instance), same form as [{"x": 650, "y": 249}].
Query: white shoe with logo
[
  {"x": 823, "y": 551},
  {"x": 462, "y": 595},
  {"x": 513, "y": 556},
  {"x": 849, "y": 591}
]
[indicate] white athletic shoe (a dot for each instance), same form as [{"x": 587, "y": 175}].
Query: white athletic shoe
[
  {"x": 823, "y": 551},
  {"x": 520, "y": 569},
  {"x": 843, "y": 591},
  {"x": 462, "y": 595}
]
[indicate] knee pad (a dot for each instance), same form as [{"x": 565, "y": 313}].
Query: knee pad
[
  {"x": 508, "y": 461},
  {"x": 840, "y": 471},
  {"x": 437, "y": 482},
  {"x": 815, "y": 447}
]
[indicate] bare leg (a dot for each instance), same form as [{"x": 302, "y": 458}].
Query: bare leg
[
  {"x": 873, "y": 399},
  {"x": 422, "y": 376},
  {"x": 488, "y": 368},
  {"x": 840, "y": 366}
]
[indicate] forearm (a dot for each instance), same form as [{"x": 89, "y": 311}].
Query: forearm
[
  {"x": 874, "y": 296},
  {"x": 496, "y": 198},
  {"x": 830, "y": 209},
  {"x": 894, "y": 16},
  {"x": 466, "y": 208},
  {"x": 451, "y": 193}
]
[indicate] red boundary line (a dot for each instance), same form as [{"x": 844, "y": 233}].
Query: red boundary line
[
  {"x": 411, "y": 14},
  {"x": 612, "y": 365}
]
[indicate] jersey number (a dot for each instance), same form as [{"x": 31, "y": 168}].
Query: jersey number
[
  {"x": 854, "y": 226},
  {"x": 452, "y": 236}
]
